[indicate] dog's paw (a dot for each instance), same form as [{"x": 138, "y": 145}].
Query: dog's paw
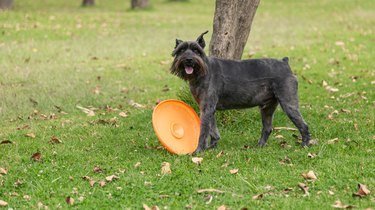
[
  {"x": 305, "y": 144},
  {"x": 261, "y": 143},
  {"x": 198, "y": 150}
]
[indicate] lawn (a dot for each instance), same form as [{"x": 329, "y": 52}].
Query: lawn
[{"x": 78, "y": 86}]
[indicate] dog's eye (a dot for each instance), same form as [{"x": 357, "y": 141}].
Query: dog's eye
[{"x": 196, "y": 51}]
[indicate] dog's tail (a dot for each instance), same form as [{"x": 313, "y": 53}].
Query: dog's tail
[{"x": 285, "y": 59}]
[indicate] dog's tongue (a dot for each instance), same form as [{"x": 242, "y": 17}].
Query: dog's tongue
[{"x": 189, "y": 70}]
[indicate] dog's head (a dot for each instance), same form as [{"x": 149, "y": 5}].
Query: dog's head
[{"x": 189, "y": 59}]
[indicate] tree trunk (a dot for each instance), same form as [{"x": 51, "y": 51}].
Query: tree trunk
[
  {"x": 139, "y": 4},
  {"x": 232, "y": 24},
  {"x": 6, "y": 4},
  {"x": 88, "y": 3}
]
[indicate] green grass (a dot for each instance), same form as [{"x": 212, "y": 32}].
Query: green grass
[{"x": 54, "y": 54}]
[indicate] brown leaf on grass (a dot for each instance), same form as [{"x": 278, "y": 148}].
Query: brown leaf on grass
[
  {"x": 37, "y": 156},
  {"x": 137, "y": 164},
  {"x": 23, "y": 127},
  {"x": 222, "y": 207},
  {"x": 71, "y": 178},
  {"x": 309, "y": 175},
  {"x": 209, "y": 190},
  {"x": 111, "y": 178},
  {"x": 123, "y": 114},
  {"x": 86, "y": 178},
  {"x": 96, "y": 90},
  {"x": 69, "y": 200},
  {"x": 92, "y": 182},
  {"x": 197, "y": 160},
  {"x": 279, "y": 137},
  {"x": 233, "y": 171},
  {"x": 17, "y": 183},
  {"x": 27, "y": 198},
  {"x": 166, "y": 168},
  {"x": 258, "y": 196},
  {"x": 285, "y": 128},
  {"x": 304, "y": 188},
  {"x": 135, "y": 105},
  {"x": 330, "y": 192},
  {"x": 331, "y": 115},
  {"x": 102, "y": 183},
  {"x": 87, "y": 111},
  {"x": 285, "y": 145},
  {"x": 333, "y": 141},
  {"x": 3, "y": 203},
  {"x": 312, "y": 155},
  {"x": 6, "y": 142},
  {"x": 287, "y": 190},
  {"x": 189, "y": 206},
  {"x": 145, "y": 207},
  {"x": 208, "y": 199},
  {"x": 97, "y": 169},
  {"x": 221, "y": 153},
  {"x": 340, "y": 43},
  {"x": 31, "y": 135},
  {"x": 3, "y": 171},
  {"x": 362, "y": 191},
  {"x": 166, "y": 62},
  {"x": 345, "y": 110},
  {"x": 286, "y": 161},
  {"x": 340, "y": 205},
  {"x": 54, "y": 140}
]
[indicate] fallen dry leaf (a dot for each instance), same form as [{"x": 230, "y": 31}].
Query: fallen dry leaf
[
  {"x": 333, "y": 141},
  {"x": 304, "y": 187},
  {"x": 189, "y": 206},
  {"x": 89, "y": 112},
  {"x": 31, "y": 135},
  {"x": 135, "y": 105},
  {"x": 3, "y": 171},
  {"x": 71, "y": 178},
  {"x": 330, "y": 115},
  {"x": 102, "y": 183},
  {"x": 208, "y": 199},
  {"x": 287, "y": 190},
  {"x": 69, "y": 200},
  {"x": 137, "y": 164},
  {"x": 286, "y": 161},
  {"x": 257, "y": 197},
  {"x": 6, "y": 142},
  {"x": 197, "y": 160},
  {"x": 96, "y": 90},
  {"x": 166, "y": 168},
  {"x": 86, "y": 178},
  {"x": 285, "y": 128},
  {"x": 222, "y": 207},
  {"x": 221, "y": 153},
  {"x": 37, "y": 156},
  {"x": 27, "y": 198},
  {"x": 309, "y": 175},
  {"x": 54, "y": 140},
  {"x": 234, "y": 171},
  {"x": 340, "y": 205},
  {"x": 345, "y": 110},
  {"x": 123, "y": 114},
  {"x": 111, "y": 178},
  {"x": 209, "y": 190},
  {"x": 92, "y": 182},
  {"x": 23, "y": 127},
  {"x": 312, "y": 155},
  {"x": 145, "y": 207},
  {"x": 17, "y": 183},
  {"x": 3, "y": 203},
  {"x": 362, "y": 191},
  {"x": 340, "y": 43},
  {"x": 279, "y": 136},
  {"x": 97, "y": 169},
  {"x": 330, "y": 192}
]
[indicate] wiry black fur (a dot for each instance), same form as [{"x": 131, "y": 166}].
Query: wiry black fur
[{"x": 219, "y": 84}]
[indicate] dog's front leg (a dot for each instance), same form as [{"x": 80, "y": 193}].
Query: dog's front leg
[{"x": 207, "y": 112}]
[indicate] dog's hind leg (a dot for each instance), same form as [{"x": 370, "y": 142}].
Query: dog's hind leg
[
  {"x": 214, "y": 133},
  {"x": 266, "y": 112},
  {"x": 287, "y": 96}
]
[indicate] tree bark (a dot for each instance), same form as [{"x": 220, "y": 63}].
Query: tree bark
[
  {"x": 139, "y": 4},
  {"x": 6, "y": 4},
  {"x": 88, "y": 3},
  {"x": 232, "y": 25}
]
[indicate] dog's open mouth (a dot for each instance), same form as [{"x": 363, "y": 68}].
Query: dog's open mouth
[{"x": 189, "y": 69}]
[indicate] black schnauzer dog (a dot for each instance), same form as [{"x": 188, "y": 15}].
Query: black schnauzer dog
[{"x": 219, "y": 84}]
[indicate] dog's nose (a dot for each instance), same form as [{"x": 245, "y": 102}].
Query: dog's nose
[{"x": 189, "y": 60}]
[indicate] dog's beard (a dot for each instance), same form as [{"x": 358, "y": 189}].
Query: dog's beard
[{"x": 189, "y": 72}]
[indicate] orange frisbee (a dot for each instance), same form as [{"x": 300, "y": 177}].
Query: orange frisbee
[{"x": 177, "y": 126}]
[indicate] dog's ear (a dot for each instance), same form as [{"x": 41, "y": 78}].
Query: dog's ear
[
  {"x": 201, "y": 41},
  {"x": 178, "y": 41}
]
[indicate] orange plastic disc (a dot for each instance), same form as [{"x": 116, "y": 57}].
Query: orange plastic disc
[{"x": 177, "y": 126}]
